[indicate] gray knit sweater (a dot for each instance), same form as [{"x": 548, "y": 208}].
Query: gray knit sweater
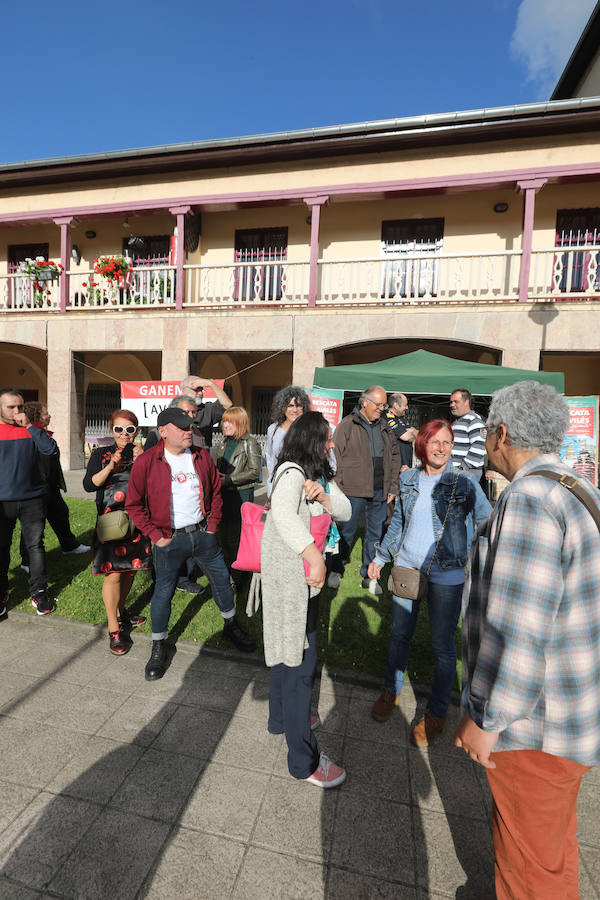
[{"x": 284, "y": 589}]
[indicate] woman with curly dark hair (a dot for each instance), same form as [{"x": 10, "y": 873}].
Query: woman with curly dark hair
[{"x": 288, "y": 405}]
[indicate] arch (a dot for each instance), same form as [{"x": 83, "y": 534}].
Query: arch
[
  {"x": 385, "y": 348},
  {"x": 13, "y": 358}
]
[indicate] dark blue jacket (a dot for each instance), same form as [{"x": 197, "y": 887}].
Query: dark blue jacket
[{"x": 20, "y": 475}]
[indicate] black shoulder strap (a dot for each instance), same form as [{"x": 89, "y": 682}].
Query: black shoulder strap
[{"x": 571, "y": 483}]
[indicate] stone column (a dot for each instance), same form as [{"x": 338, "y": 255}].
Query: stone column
[{"x": 66, "y": 400}]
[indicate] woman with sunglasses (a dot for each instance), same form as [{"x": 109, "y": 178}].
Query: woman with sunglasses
[
  {"x": 108, "y": 475},
  {"x": 428, "y": 532}
]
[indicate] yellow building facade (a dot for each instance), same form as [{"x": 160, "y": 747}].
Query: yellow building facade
[{"x": 470, "y": 233}]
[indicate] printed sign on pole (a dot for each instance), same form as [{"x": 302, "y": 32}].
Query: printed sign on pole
[
  {"x": 327, "y": 402},
  {"x": 147, "y": 398},
  {"x": 580, "y": 446}
]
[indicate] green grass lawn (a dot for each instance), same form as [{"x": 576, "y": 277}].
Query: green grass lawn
[{"x": 354, "y": 625}]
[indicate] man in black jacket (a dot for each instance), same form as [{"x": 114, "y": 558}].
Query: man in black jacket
[
  {"x": 23, "y": 496},
  {"x": 57, "y": 511}
]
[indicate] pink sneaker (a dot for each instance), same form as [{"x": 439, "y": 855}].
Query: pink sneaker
[
  {"x": 314, "y": 721},
  {"x": 327, "y": 774}
]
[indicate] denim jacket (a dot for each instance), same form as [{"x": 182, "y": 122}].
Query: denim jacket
[{"x": 453, "y": 551}]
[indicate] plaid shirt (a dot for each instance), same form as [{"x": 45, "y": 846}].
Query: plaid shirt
[{"x": 531, "y": 619}]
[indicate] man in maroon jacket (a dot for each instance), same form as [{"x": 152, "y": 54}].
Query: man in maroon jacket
[{"x": 174, "y": 498}]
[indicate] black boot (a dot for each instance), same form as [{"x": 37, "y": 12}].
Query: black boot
[
  {"x": 157, "y": 664},
  {"x": 236, "y": 634}
]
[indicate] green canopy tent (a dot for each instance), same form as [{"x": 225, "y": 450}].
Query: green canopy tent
[{"x": 422, "y": 372}]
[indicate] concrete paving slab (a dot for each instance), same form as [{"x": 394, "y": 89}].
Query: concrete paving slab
[
  {"x": 112, "y": 858},
  {"x": 226, "y": 801},
  {"x": 350, "y": 886},
  {"x": 33, "y": 754},
  {"x": 297, "y": 819},
  {"x": 248, "y": 744},
  {"x": 373, "y": 837},
  {"x": 196, "y": 867},
  {"x": 158, "y": 785},
  {"x": 453, "y": 854},
  {"x": 266, "y": 875},
  {"x": 96, "y": 770},
  {"x": 138, "y": 720},
  {"x": 37, "y": 843},
  {"x": 15, "y": 797}
]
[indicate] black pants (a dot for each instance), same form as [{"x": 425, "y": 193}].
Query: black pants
[
  {"x": 57, "y": 516},
  {"x": 32, "y": 515},
  {"x": 290, "y": 690}
]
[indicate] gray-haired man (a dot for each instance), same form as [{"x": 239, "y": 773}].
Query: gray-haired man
[{"x": 531, "y": 645}]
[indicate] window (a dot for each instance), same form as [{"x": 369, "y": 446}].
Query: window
[
  {"x": 413, "y": 238},
  {"x": 579, "y": 271},
  {"x": 148, "y": 250},
  {"x": 260, "y": 245},
  {"x": 21, "y": 289}
]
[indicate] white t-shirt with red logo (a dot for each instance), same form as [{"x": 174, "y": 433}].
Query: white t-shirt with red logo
[{"x": 186, "y": 490}]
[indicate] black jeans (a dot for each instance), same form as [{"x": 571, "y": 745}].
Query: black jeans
[
  {"x": 57, "y": 516},
  {"x": 32, "y": 515}
]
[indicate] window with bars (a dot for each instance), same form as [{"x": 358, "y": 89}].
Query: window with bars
[
  {"x": 148, "y": 250},
  {"x": 259, "y": 245},
  {"x": 412, "y": 238},
  {"x": 579, "y": 228}
]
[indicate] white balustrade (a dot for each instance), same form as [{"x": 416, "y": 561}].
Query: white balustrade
[
  {"x": 565, "y": 274},
  {"x": 247, "y": 284},
  {"x": 144, "y": 286},
  {"x": 420, "y": 278},
  {"x": 402, "y": 279},
  {"x": 17, "y": 294}
]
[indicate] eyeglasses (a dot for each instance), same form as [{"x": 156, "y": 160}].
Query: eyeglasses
[
  {"x": 128, "y": 429},
  {"x": 378, "y": 405},
  {"x": 444, "y": 444}
]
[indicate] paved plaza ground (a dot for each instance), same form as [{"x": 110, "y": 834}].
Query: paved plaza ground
[{"x": 112, "y": 787}]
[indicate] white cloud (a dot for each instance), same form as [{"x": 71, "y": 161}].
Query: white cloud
[{"x": 545, "y": 35}]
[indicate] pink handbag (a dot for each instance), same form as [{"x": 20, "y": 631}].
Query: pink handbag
[{"x": 253, "y": 525}]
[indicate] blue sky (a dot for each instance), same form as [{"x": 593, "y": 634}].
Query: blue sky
[{"x": 82, "y": 78}]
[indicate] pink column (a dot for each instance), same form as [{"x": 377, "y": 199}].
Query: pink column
[
  {"x": 65, "y": 258},
  {"x": 180, "y": 212},
  {"x": 315, "y": 204},
  {"x": 530, "y": 189}
]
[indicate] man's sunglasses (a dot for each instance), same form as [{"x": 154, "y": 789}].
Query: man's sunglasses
[{"x": 128, "y": 429}]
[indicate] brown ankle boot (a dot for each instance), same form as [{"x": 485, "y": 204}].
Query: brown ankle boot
[
  {"x": 427, "y": 729},
  {"x": 384, "y": 705}
]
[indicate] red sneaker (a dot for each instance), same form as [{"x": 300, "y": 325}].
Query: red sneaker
[
  {"x": 327, "y": 774},
  {"x": 119, "y": 642}
]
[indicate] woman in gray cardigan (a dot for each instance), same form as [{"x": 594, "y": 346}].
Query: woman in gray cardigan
[{"x": 302, "y": 487}]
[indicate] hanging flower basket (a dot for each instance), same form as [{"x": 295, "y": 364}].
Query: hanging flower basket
[
  {"x": 113, "y": 268},
  {"x": 41, "y": 269},
  {"x": 42, "y": 272}
]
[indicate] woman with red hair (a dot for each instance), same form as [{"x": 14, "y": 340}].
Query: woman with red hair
[
  {"x": 108, "y": 474},
  {"x": 428, "y": 533}
]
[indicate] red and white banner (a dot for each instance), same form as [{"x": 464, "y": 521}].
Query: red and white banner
[
  {"x": 147, "y": 398},
  {"x": 328, "y": 403}
]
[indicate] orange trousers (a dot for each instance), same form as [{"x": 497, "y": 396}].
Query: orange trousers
[{"x": 534, "y": 825}]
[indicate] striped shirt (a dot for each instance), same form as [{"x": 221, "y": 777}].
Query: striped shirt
[
  {"x": 469, "y": 441},
  {"x": 531, "y": 619}
]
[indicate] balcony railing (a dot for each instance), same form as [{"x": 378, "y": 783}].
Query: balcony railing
[
  {"x": 565, "y": 274},
  {"x": 145, "y": 286},
  {"x": 421, "y": 278},
  {"x": 247, "y": 284},
  {"x": 402, "y": 279}
]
